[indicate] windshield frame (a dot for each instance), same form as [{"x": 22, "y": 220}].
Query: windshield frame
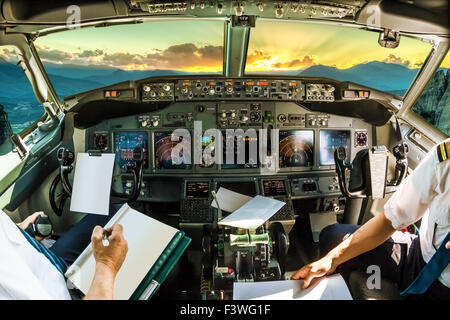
[{"x": 236, "y": 60}]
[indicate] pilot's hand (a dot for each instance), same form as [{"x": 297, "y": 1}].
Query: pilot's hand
[
  {"x": 447, "y": 245},
  {"x": 313, "y": 270},
  {"x": 29, "y": 220},
  {"x": 112, "y": 256}
]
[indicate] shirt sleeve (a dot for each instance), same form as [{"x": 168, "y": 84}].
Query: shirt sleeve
[{"x": 411, "y": 200}]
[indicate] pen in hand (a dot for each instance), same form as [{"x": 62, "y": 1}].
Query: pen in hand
[{"x": 105, "y": 240}]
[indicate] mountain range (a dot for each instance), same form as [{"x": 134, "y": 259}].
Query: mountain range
[{"x": 70, "y": 79}]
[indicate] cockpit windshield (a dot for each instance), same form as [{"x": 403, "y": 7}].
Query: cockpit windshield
[
  {"x": 88, "y": 58},
  {"x": 336, "y": 52}
]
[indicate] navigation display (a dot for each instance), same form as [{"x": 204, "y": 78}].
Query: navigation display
[
  {"x": 125, "y": 142},
  {"x": 233, "y": 143},
  {"x": 197, "y": 190},
  {"x": 296, "y": 148},
  {"x": 163, "y": 146},
  {"x": 274, "y": 188},
  {"x": 330, "y": 140}
]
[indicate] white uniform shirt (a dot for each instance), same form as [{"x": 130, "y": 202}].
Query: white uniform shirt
[
  {"x": 24, "y": 272},
  {"x": 425, "y": 194}
]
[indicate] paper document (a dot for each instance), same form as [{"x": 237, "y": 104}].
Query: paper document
[
  {"x": 92, "y": 183},
  {"x": 253, "y": 213},
  {"x": 229, "y": 200},
  {"x": 147, "y": 238},
  {"x": 326, "y": 288}
]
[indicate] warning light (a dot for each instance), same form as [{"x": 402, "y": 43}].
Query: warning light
[
  {"x": 114, "y": 94},
  {"x": 249, "y": 83},
  {"x": 210, "y": 83},
  {"x": 230, "y": 271},
  {"x": 186, "y": 83},
  {"x": 292, "y": 84},
  {"x": 107, "y": 94},
  {"x": 263, "y": 83},
  {"x": 228, "y": 83}
]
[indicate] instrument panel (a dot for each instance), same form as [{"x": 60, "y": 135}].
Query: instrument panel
[
  {"x": 184, "y": 138},
  {"x": 241, "y": 89}
]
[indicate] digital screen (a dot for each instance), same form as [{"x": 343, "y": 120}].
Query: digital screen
[
  {"x": 274, "y": 188},
  {"x": 330, "y": 140},
  {"x": 163, "y": 146},
  {"x": 232, "y": 147},
  {"x": 207, "y": 158},
  {"x": 296, "y": 148},
  {"x": 196, "y": 190},
  {"x": 245, "y": 187},
  {"x": 125, "y": 142}
]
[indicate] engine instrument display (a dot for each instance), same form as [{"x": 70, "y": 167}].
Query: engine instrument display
[
  {"x": 242, "y": 149},
  {"x": 296, "y": 148},
  {"x": 330, "y": 140},
  {"x": 125, "y": 142},
  {"x": 164, "y": 144},
  {"x": 197, "y": 190}
]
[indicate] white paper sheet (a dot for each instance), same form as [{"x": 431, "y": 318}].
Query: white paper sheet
[
  {"x": 326, "y": 288},
  {"x": 229, "y": 200},
  {"x": 92, "y": 183},
  {"x": 253, "y": 213},
  {"x": 147, "y": 238}
]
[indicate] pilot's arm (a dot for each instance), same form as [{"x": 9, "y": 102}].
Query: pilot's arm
[
  {"x": 407, "y": 205},
  {"x": 108, "y": 260}
]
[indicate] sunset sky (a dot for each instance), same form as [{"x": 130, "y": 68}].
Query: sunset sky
[{"x": 197, "y": 46}]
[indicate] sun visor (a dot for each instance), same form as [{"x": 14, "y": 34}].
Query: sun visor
[
  {"x": 403, "y": 17},
  {"x": 61, "y": 11}
]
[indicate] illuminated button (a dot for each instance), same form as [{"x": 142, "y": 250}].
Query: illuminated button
[
  {"x": 263, "y": 83},
  {"x": 292, "y": 84}
]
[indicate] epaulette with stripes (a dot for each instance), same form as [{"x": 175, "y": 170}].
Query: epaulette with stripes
[{"x": 443, "y": 151}]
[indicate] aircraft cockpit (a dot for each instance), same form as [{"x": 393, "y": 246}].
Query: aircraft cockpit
[{"x": 324, "y": 107}]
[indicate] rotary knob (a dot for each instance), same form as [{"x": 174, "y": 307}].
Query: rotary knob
[
  {"x": 282, "y": 117},
  {"x": 155, "y": 122},
  {"x": 223, "y": 115},
  {"x": 146, "y": 88},
  {"x": 166, "y": 87}
]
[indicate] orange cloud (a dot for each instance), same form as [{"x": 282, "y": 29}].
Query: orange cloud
[{"x": 258, "y": 60}]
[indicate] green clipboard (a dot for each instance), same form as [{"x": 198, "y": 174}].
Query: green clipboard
[{"x": 161, "y": 269}]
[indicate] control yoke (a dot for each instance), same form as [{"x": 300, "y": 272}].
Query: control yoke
[
  {"x": 66, "y": 158},
  {"x": 138, "y": 172},
  {"x": 367, "y": 174}
]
